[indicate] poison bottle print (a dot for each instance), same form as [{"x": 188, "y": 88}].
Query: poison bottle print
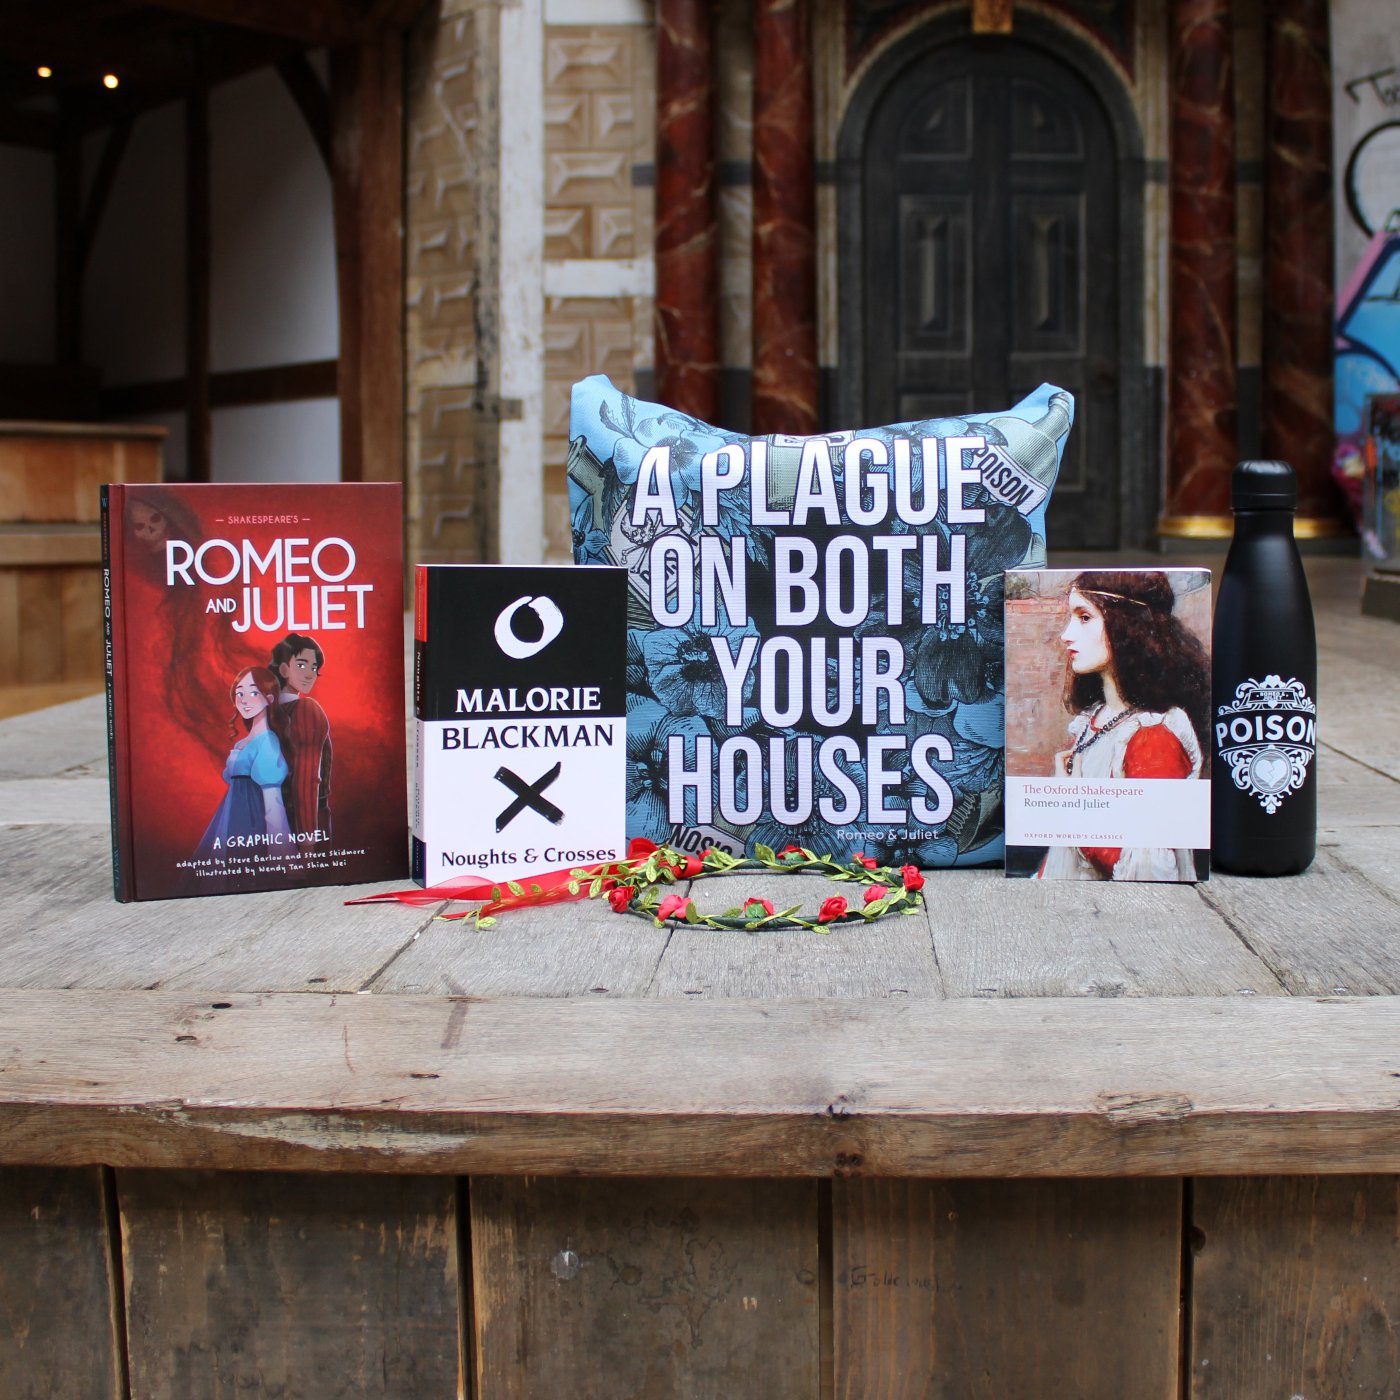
[{"x": 1263, "y": 702}]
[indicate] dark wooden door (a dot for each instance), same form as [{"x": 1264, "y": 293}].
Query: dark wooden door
[{"x": 991, "y": 253}]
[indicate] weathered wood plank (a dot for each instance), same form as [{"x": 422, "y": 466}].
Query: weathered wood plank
[
  {"x": 1013, "y": 1088},
  {"x": 1328, "y": 931},
  {"x": 1371, "y": 854},
  {"x": 1358, "y": 707},
  {"x": 69, "y": 801},
  {"x": 58, "y": 1306},
  {"x": 562, "y": 951},
  {"x": 1015, "y": 1290},
  {"x": 277, "y": 940},
  {"x": 41, "y": 628},
  {"x": 1350, "y": 795},
  {"x": 48, "y": 742},
  {"x": 890, "y": 958},
  {"x": 1296, "y": 1288},
  {"x": 47, "y": 877},
  {"x": 599, "y": 1289},
  {"x": 1034, "y": 938},
  {"x": 293, "y": 1286}
]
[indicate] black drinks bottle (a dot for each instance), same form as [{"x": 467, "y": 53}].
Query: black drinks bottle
[{"x": 1264, "y": 687}]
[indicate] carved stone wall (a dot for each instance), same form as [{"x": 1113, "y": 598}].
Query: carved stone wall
[
  {"x": 598, "y": 143},
  {"x": 451, "y": 441}
]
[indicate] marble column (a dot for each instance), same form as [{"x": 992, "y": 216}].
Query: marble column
[
  {"x": 687, "y": 229},
  {"x": 1201, "y": 394},
  {"x": 784, "y": 222},
  {"x": 1298, "y": 296}
]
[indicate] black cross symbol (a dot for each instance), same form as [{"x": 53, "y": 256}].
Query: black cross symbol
[{"x": 528, "y": 795}]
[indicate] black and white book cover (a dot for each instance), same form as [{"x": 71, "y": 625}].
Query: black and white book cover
[{"x": 519, "y": 694}]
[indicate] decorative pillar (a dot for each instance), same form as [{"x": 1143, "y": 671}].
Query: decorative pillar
[
  {"x": 367, "y": 200},
  {"x": 1201, "y": 396},
  {"x": 784, "y": 223},
  {"x": 687, "y": 225},
  {"x": 1299, "y": 308}
]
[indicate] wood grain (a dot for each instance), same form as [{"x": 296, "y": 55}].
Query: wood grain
[
  {"x": 965, "y": 1290},
  {"x": 41, "y": 627},
  {"x": 50, "y": 472},
  {"x": 272, "y": 940},
  {"x": 40, "y": 890},
  {"x": 1368, "y": 853},
  {"x": 53, "y": 802},
  {"x": 890, "y": 958},
  {"x": 1352, "y": 795},
  {"x": 1070, "y": 1087},
  {"x": 1033, "y": 938},
  {"x": 706, "y": 1289},
  {"x": 1296, "y": 1284},
  {"x": 1343, "y": 945},
  {"x": 58, "y": 1331},
  {"x": 29, "y": 546},
  {"x": 81, "y": 593},
  {"x": 49, "y": 742},
  {"x": 303, "y": 1288},
  {"x": 566, "y": 950}
]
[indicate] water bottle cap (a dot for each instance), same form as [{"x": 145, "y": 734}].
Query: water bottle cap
[{"x": 1263, "y": 486}]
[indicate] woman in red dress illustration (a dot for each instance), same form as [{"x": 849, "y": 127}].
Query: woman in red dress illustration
[{"x": 1137, "y": 683}]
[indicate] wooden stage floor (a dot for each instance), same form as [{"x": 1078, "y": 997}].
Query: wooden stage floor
[{"x": 1038, "y": 1140}]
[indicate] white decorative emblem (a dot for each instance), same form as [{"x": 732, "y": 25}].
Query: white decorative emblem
[
  {"x": 1268, "y": 736},
  {"x": 551, "y": 621}
]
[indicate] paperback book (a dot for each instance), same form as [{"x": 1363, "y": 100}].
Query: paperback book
[
  {"x": 1107, "y": 724},
  {"x": 255, "y": 711},
  {"x": 519, "y": 692}
]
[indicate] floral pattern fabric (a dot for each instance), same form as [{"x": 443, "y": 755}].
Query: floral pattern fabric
[{"x": 814, "y": 652}]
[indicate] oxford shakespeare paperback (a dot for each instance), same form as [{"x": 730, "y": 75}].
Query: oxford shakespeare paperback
[
  {"x": 519, "y": 693},
  {"x": 255, "y": 697},
  {"x": 1107, "y": 713}
]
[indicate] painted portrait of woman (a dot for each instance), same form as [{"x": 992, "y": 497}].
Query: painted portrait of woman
[
  {"x": 255, "y": 769},
  {"x": 1137, "y": 687}
]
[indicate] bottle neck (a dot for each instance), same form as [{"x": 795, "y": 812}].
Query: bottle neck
[{"x": 1257, "y": 524}]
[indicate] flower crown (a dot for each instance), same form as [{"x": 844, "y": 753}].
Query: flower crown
[{"x": 634, "y": 886}]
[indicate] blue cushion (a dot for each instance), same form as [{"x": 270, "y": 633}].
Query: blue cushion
[{"x": 814, "y": 649}]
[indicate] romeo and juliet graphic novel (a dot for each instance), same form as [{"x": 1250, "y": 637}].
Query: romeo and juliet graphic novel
[{"x": 255, "y": 697}]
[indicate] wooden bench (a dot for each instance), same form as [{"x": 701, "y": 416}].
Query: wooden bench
[{"x": 1038, "y": 1141}]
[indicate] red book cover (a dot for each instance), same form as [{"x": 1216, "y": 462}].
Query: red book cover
[{"x": 255, "y": 696}]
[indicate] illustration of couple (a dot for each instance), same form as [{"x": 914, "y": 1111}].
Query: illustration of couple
[{"x": 279, "y": 769}]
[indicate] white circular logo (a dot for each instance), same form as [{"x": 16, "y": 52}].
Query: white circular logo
[{"x": 551, "y": 619}]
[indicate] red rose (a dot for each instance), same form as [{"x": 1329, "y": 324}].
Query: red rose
[
  {"x": 860, "y": 858},
  {"x": 831, "y": 909},
  {"x": 693, "y": 866},
  {"x": 874, "y": 892},
  {"x": 764, "y": 904},
  {"x": 792, "y": 853},
  {"x": 912, "y": 879},
  {"x": 674, "y": 905},
  {"x": 620, "y": 896}
]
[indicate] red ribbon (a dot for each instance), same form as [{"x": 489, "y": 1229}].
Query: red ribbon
[{"x": 553, "y": 885}]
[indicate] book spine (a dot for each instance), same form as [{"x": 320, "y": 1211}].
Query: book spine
[
  {"x": 114, "y": 673},
  {"x": 417, "y": 860}
]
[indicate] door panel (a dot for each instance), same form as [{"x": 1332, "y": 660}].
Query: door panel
[{"x": 991, "y": 257}]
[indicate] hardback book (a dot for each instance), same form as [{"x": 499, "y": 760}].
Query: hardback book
[
  {"x": 1107, "y": 724},
  {"x": 255, "y": 696},
  {"x": 519, "y": 687}
]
